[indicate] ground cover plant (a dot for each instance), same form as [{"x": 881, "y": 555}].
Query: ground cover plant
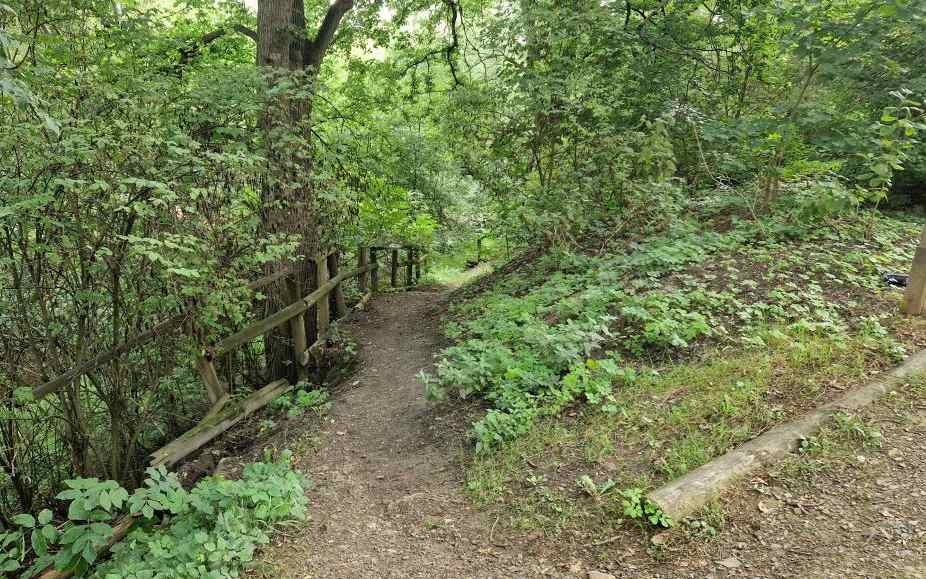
[
  {"x": 665, "y": 355},
  {"x": 211, "y": 530}
]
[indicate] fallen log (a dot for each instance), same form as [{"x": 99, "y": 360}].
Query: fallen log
[{"x": 691, "y": 492}]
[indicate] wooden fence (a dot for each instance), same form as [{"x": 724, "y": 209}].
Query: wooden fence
[{"x": 326, "y": 302}]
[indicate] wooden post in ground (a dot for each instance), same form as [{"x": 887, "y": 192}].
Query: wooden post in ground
[
  {"x": 417, "y": 265},
  {"x": 337, "y": 296},
  {"x": 914, "y": 301},
  {"x": 297, "y": 332},
  {"x": 374, "y": 273},
  {"x": 214, "y": 387},
  {"x": 363, "y": 260},
  {"x": 410, "y": 255},
  {"x": 322, "y": 309},
  {"x": 394, "y": 273}
]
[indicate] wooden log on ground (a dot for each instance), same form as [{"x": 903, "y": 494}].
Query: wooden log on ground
[
  {"x": 232, "y": 413},
  {"x": 914, "y": 300},
  {"x": 338, "y": 305},
  {"x": 394, "y": 272},
  {"x": 691, "y": 492}
]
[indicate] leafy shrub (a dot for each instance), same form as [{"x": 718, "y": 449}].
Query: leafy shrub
[{"x": 211, "y": 531}]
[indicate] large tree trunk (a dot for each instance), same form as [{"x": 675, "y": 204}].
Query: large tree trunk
[{"x": 288, "y": 199}]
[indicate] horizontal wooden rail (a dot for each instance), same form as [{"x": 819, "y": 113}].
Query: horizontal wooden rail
[
  {"x": 163, "y": 328},
  {"x": 282, "y": 316}
]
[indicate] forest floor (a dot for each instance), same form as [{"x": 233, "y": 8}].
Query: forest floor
[{"x": 388, "y": 496}]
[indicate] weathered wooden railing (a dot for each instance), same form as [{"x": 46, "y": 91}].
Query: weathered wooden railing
[{"x": 326, "y": 299}]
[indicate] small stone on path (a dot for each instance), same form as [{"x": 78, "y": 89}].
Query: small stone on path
[{"x": 730, "y": 563}]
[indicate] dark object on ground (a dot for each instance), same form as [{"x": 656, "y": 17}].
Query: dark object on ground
[{"x": 896, "y": 279}]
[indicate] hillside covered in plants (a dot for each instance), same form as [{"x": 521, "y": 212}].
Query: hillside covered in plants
[{"x": 477, "y": 276}]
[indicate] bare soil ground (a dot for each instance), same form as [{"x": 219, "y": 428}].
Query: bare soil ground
[{"x": 388, "y": 498}]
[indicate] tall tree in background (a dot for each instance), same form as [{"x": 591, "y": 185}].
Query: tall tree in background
[{"x": 292, "y": 58}]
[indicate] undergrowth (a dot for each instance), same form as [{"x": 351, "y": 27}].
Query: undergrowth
[
  {"x": 582, "y": 326},
  {"x": 210, "y": 531}
]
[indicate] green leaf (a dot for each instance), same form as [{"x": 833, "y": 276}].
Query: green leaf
[{"x": 24, "y": 520}]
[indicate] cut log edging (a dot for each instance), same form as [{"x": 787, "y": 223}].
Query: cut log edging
[{"x": 691, "y": 492}]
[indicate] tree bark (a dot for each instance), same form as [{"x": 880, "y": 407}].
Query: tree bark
[{"x": 287, "y": 194}]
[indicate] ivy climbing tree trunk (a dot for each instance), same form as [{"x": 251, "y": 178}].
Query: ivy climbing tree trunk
[{"x": 287, "y": 53}]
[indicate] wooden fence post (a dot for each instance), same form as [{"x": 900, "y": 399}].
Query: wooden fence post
[
  {"x": 914, "y": 300},
  {"x": 337, "y": 295},
  {"x": 410, "y": 255},
  {"x": 214, "y": 387},
  {"x": 417, "y": 265},
  {"x": 374, "y": 273},
  {"x": 363, "y": 260},
  {"x": 322, "y": 309},
  {"x": 297, "y": 331},
  {"x": 394, "y": 274}
]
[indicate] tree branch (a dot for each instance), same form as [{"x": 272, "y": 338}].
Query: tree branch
[
  {"x": 314, "y": 51},
  {"x": 189, "y": 52}
]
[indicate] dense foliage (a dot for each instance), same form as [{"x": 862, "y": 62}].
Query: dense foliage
[{"x": 157, "y": 156}]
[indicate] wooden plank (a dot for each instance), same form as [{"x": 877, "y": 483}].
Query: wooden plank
[
  {"x": 280, "y": 317},
  {"x": 374, "y": 272},
  {"x": 363, "y": 260},
  {"x": 338, "y": 305},
  {"x": 213, "y": 426},
  {"x": 914, "y": 300},
  {"x": 685, "y": 495},
  {"x": 214, "y": 387},
  {"x": 167, "y": 326},
  {"x": 323, "y": 311},
  {"x": 394, "y": 273},
  {"x": 259, "y": 328},
  {"x": 297, "y": 332}
]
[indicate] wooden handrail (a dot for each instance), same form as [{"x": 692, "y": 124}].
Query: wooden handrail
[
  {"x": 166, "y": 327},
  {"x": 281, "y": 316}
]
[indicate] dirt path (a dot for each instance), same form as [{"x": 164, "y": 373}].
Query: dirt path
[
  {"x": 388, "y": 494},
  {"x": 387, "y": 499}
]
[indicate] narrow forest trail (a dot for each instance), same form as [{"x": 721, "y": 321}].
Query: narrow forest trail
[{"x": 387, "y": 499}]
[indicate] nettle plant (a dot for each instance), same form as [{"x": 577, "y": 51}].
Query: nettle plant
[{"x": 209, "y": 531}]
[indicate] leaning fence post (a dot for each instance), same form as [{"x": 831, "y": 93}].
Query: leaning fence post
[
  {"x": 374, "y": 273},
  {"x": 322, "y": 309},
  {"x": 214, "y": 387},
  {"x": 394, "y": 274},
  {"x": 915, "y": 295}
]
